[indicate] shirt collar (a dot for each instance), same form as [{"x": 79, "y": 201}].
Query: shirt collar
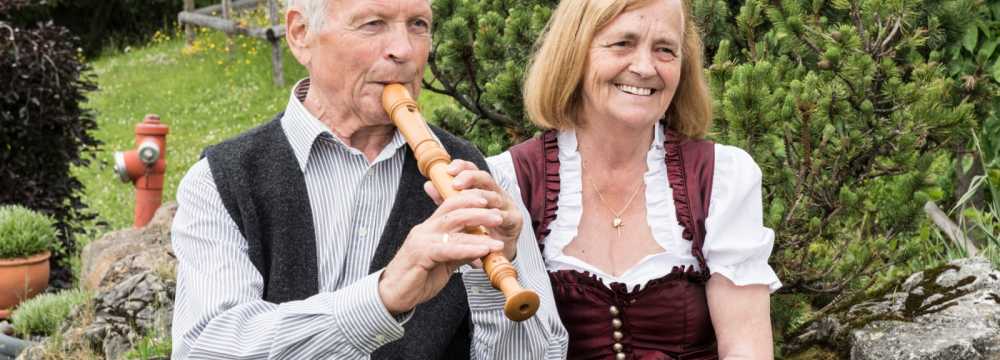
[
  {"x": 658, "y": 136},
  {"x": 302, "y": 129},
  {"x": 567, "y": 139}
]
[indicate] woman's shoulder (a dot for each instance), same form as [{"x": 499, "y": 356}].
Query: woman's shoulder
[
  {"x": 736, "y": 176},
  {"x": 735, "y": 160},
  {"x": 534, "y": 148},
  {"x": 526, "y": 159}
]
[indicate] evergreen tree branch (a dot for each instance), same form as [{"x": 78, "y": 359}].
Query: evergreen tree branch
[
  {"x": 890, "y": 37},
  {"x": 882, "y": 172},
  {"x": 485, "y": 111},
  {"x": 819, "y": 52},
  {"x": 856, "y": 16},
  {"x": 451, "y": 90},
  {"x": 429, "y": 85}
]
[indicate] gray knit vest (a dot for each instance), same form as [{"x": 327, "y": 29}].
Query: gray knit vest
[{"x": 265, "y": 193}]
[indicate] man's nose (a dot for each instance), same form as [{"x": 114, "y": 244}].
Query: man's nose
[{"x": 399, "y": 47}]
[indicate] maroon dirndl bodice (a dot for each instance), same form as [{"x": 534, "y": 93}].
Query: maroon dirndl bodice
[{"x": 667, "y": 318}]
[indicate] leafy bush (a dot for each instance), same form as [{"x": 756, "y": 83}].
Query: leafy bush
[
  {"x": 103, "y": 23},
  {"x": 44, "y": 314},
  {"x": 24, "y": 232},
  {"x": 44, "y": 131},
  {"x": 8, "y": 6},
  {"x": 974, "y": 62},
  {"x": 848, "y": 113}
]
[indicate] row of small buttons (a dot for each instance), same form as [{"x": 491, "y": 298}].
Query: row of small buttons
[{"x": 616, "y": 323}]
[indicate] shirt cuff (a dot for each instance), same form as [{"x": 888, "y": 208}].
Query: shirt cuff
[
  {"x": 481, "y": 293},
  {"x": 363, "y": 318},
  {"x": 748, "y": 273}
]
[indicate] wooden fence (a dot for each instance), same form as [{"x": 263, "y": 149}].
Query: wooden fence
[{"x": 205, "y": 17}]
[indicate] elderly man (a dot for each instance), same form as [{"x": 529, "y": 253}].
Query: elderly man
[{"x": 313, "y": 236}]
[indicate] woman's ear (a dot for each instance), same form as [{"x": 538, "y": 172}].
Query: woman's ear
[{"x": 297, "y": 35}]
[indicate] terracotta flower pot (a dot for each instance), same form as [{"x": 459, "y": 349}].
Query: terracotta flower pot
[{"x": 22, "y": 278}]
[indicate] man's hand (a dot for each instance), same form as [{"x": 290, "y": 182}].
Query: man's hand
[
  {"x": 469, "y": 178},
  {"x": 428, "y": 257}
]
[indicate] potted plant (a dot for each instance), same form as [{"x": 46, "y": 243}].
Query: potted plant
[{"x": 26, "y": 237}]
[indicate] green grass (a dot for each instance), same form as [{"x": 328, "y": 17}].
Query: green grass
[
  {"x": 202, "y": 94},
  {"x": 151, "y": 346}
]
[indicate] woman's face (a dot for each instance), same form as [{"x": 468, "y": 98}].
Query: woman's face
[{"x": 634, "y": 65}]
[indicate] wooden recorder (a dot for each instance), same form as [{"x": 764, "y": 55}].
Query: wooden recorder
[{"x": 433, "y": 160}]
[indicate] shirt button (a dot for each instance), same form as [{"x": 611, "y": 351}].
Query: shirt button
[
  {"x": 380, "y": 339},
  {"x": 362, "y": 231}
]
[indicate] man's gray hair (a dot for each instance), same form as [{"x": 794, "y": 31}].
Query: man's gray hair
[{"x": 314, "y": 10}]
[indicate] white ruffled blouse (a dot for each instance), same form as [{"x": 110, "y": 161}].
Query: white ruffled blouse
[{"x": 737, "y": 244}]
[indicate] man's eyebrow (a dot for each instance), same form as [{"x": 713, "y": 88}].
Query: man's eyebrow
[
  {"x": 365, "y": 13},
  {"x": 379, "y": 13}
]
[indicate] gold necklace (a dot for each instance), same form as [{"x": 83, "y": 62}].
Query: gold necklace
[{"x": 617, "y": 222}]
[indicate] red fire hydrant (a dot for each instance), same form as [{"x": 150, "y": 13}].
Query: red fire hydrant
[{"x": 145, "y": 166}]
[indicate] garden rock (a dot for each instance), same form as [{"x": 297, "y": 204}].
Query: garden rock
[
  {"x": 947, "y": 313},
  {"x": 121, "y": 253},
  {"x": 139, "y": 305}
]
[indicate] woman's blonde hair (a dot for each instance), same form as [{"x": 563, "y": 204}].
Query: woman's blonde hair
[{"x": 552, "y": 88}]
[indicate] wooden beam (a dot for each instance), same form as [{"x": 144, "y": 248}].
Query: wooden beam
[
  {"x": 277, "y": 68},
  {"x": 229, "y": 26},
  {"x": 271, "y": 33},
  {"x": 217, "y": 23},
  {"x": 188, "y": 28},
  {"x": 227, "y": 13},
  {"x": 237, "y": 5}
]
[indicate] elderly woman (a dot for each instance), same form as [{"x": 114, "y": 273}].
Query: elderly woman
[{"x": 653, "y": 237}]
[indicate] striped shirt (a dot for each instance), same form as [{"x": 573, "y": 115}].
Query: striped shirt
[{"x": 219, "y": 312}]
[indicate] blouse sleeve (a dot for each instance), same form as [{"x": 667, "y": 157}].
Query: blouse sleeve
[
  {"x": 737, "y": 244},
  {"x": 502, "y": 170}
]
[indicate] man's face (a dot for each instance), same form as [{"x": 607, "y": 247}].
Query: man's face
[{"x": 364, "y": 45}]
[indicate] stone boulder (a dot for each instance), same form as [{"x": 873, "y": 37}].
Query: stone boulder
[
  {"x": 122, "y": 253},
  {"x": 951, "y": 312}
]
